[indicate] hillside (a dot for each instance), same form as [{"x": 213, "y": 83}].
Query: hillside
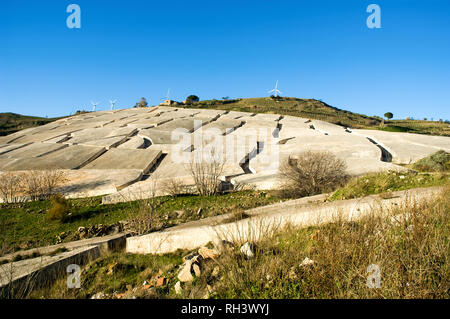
[
  {"x": 12, "y": 122},
  {"x": 315, "y": 109}
]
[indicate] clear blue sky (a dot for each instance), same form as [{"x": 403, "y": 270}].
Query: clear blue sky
[{"x": 316, "y": 49}]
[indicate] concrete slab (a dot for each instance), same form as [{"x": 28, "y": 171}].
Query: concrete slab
[
  {"x": 125, "y": 159},
  {"x": 71, "y": 157},
  {"x": 33, "y": 150}
]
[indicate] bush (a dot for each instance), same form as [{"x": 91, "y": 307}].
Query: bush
[
  {"x": 437, "y": 162},
  {"x": 312, "y": 173},
  {"x": 192, "y": 98},
  {"x": 41, "y": 184},
  {"x": 10, "y": 187},
  {"x": 206, "y": 173},
  {"x": 60, "y": 209}
]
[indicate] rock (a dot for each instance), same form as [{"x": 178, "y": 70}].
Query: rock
[
  {"x": 197, "y": 270},
  {"x": 185, "y": 273},
  {"x": 207, "y": 253},
  {"x": 192, "y": 256},
  {"x": 178, "y": 289},
  {"x": 248, "y": 250},
  {"x": 215, "y": 271},
  {"x": 99, "y": 295},
  {"x": 307, "y": 262},
  {"x": 199, "y": 211},
  {"x": 81, "y": 229},
  {"x": 180, "y": 213},
  {"x": 161, "y": 281}
]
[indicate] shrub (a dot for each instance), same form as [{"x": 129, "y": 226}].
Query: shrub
[
  {"x": 59, "y": 210},
  {"x": 312, "y": 173},
  {"x": 41, "y": 184},
  {"x": 206, "y": 173},
  {"x": 437, "y": 162},
  {"x": 174, "y": 187},
  {"x": 10, "y": 187}
]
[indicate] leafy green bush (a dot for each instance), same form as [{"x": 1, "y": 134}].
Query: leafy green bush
[
  {"x": 437, "y": 162},
  {"x": 59, "y": 210}
]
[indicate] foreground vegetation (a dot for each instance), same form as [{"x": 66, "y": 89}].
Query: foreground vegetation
[
  {"x": 27, "y": 225},
  {"x": 408, "y": 245}
]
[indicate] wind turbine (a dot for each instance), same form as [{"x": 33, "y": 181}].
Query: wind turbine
[
  {"x": 275, "y": 90},
  {"x": 94, "y": 105},
  {"x": 168, "y": 95},
  {"x": 112, "y": 102}
]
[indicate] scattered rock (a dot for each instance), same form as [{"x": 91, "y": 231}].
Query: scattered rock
[
  {"x": 307, "y": 262},
  {"x": 215, "y": 271},
  {"x": 248, "y": 249},
  {"x": 180, "y": 213},
  {"x": 178, "y": 289},
  {"x": 99, "y": 295},
  {"x": 185, "y": 274},
  {"x": 196, "y": 269},
  {"x": 207, "y": 253},
  {"x": 161, "y": 281}
]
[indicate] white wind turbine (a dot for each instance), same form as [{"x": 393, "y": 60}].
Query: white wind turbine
[
  {"x": 112, "y": 103},
  {"x": 94, "y": 105},
  {"x": 275, "y": 91},
  {"x": 168, "y": 95}
]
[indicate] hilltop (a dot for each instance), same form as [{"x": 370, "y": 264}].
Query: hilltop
[
  {"x": 12, "y": 122},
  {"x": 306, "y": 108},
  {"x": 318, "y": 110}
]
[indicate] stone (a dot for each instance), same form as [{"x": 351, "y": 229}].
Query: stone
[
  {"x": 185, "y": 274},
  {"x": 248, "y": 250},
  {"x": 161, "y": 281},
  {"x": 178, "y": 289},
  {"x": 207, "y": 253},
  {"x": 196, "y": 269},
  {"x": 307, "y": 262},
  {"x": 99, "y": 295}
]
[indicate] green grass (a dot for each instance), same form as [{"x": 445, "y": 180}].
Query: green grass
[
  {"x": 25, "y": 226},
  {"x": 412, "y": 254},
  {"x": 386, "y": 182},
  {"x": 120, "y": 273},
  {"x": 318, "y": 110},
  {"x": 437, "y": 162}
]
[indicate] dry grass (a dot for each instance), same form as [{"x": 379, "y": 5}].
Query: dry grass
[{"x": 411, "y": 250}]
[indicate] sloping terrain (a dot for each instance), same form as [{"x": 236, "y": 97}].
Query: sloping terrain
[{"x": 11, "y": 122}]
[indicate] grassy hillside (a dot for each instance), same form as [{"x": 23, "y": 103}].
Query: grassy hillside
[
  {"x": 11, "y": 122},
  {"x": 315, "y": 109}
]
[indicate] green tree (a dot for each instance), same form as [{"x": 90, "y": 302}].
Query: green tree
[
  {"x": 388, "y": 115},
  {"x": 192, "y": 98}
]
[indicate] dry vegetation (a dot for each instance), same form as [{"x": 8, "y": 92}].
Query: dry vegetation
[
  {"x": 312, "y": 173},
  {"x": 30, "y": 185}
]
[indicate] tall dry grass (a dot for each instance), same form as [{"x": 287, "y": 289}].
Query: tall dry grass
[{"x": 409, "y": 245}]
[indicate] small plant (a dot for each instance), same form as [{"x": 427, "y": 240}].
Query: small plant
[
  {"x": 59, "y": 210},
  {"x": 312, "y": 173},
  {"x": 10, "y": 187},
  {"x": 206, "y": 172}
]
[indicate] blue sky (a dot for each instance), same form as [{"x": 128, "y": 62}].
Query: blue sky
[{"x": 316, "y": 49}]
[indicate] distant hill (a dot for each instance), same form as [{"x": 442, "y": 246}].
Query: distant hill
[
  {"x": 316, "y": 109},
  {"x": 307, "y": 108},
  {"x": 12, "y": 122}
]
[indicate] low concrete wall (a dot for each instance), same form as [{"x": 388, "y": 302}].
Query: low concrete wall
[
  {"x": 19, "y": 278},
  {"x": 263, "y": 224}
]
